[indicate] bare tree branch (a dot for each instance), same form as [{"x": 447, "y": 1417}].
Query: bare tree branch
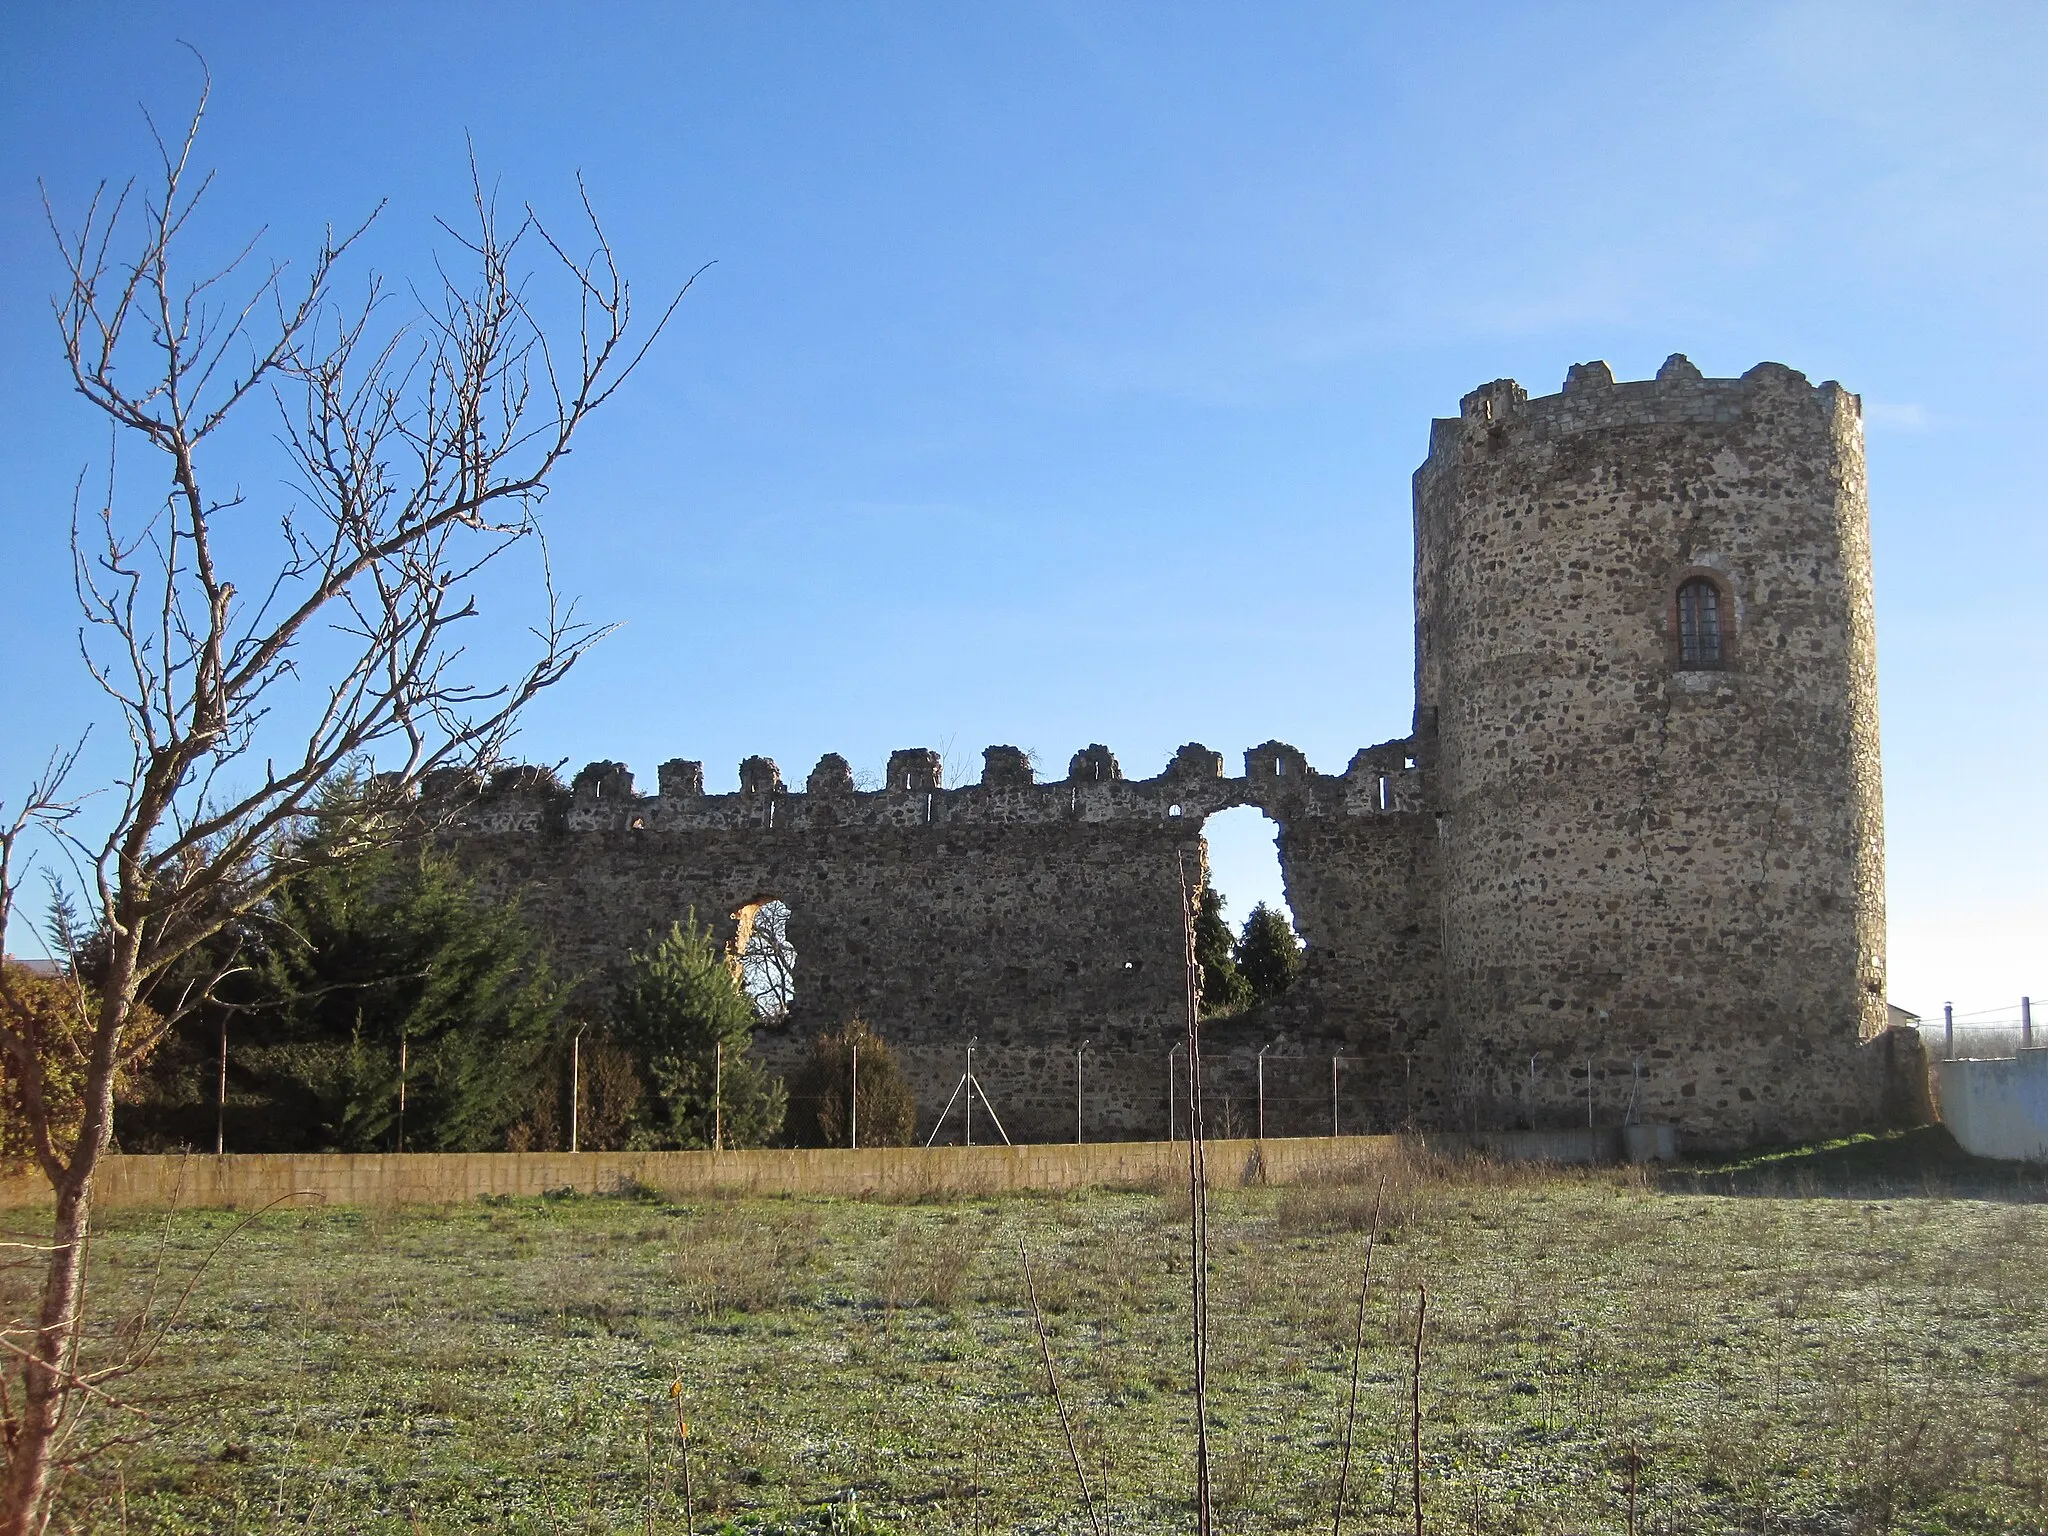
[{"x": 253, "y": 646}]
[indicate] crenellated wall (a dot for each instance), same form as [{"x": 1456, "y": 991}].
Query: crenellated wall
[
  {"x": 1598, "y": 880},
  {"x": 1024, "y": 917}
]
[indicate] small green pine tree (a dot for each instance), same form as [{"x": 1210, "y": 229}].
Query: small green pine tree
[
  {"x": 682, "y": 1013},
  {"x": 1269, "y": 955}
]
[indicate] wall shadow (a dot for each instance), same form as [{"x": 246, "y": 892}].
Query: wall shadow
[{"x": 1917, "y": 1164}]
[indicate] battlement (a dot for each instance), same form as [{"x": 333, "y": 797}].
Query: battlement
[
  {"x": 1605, "y": 839},
  {"x": 1591, "y": 400},
  {"x": 1378, "y": 781}
]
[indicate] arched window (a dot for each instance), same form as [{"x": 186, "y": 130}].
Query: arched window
[{"x": 1702, "y": 632}]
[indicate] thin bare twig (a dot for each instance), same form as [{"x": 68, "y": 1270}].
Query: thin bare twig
[{"x": 1052, "y": 1378}]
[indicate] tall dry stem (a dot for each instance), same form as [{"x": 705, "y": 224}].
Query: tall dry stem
[
  {"x": 1198, "y": 1205},
  {"x": 1357, "y": 1353},
  {"x": 683, "y": 1446},
  {"x": 1052, "y": 1378},
  {"x": 1415, "y": 1404}
]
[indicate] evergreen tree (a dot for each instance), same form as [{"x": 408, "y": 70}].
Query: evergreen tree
[
  {"x": 1268, "y": 955},
  {"x": 1224, "y": 989},
  {"x": 822, "y": 1093},
  {"x": 682, "y": 1013},
  {"x": 407, "y": 975},
  {"x": 361, "y": 973}
]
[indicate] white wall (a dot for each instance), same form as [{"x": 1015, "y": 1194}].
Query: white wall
[{"x": 1998, "y": 1108}]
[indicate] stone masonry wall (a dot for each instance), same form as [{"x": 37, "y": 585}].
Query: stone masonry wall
[{"x": 1024, "y": 918}]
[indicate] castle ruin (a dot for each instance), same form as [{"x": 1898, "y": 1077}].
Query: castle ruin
[{"x": 1628, "y": 864}]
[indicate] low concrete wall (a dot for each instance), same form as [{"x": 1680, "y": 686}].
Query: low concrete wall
[
  {"x": 423, "y": 1178},
  {"x": 1998, "y": 1108}
]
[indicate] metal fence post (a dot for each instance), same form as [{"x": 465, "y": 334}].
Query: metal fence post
[
  {"x": 1948, "y": 1031},
  {"x": 220, "y": 1122},
  {"x": 1077, "y": 1091},
  {"x": 2026, "y": 1022},
  {"x": 1172, "y": 1106},
  {"x": 1262, "y": 1087}
]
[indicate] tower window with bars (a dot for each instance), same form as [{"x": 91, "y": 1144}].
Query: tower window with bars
[{"x": 1702, "y": 635}]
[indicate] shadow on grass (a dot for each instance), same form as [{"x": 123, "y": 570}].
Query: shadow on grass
[{"x": 1921, "y": 1162}]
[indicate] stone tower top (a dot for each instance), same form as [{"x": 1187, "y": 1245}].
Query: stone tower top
[{"x": 1591, "y": 398}]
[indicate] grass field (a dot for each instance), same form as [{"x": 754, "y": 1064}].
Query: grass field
[{"x": 1843, "y": 1341}]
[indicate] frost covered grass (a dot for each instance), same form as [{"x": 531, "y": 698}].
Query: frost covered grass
[{"x": 1839, "y": 1341}]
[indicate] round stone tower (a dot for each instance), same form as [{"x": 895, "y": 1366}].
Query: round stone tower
[{"x": 1647, "y": 696}]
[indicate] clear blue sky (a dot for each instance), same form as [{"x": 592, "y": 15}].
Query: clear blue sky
[{"x": 1064, "y": 365}]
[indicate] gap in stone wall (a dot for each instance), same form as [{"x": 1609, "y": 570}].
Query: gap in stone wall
[
  {"x": 767, "y": 958},
  {"x": 1244, "y": 863}
]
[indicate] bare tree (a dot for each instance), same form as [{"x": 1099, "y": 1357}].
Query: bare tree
[
  {"x": 251, "y": 647},
  {"x": 767, "y": 961}
]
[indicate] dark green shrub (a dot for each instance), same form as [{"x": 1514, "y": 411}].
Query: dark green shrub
[{"x": 821, "y": 1095}]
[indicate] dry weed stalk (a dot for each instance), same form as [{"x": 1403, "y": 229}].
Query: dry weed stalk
[
  {"x": 1415, "y": 1404},
  {"x": 1198, "y": 1205},
  {"x": 1052, "y": 1378},
  {"x": 675, "y": 1393},
  {"x": 1357, "y": 1350}
]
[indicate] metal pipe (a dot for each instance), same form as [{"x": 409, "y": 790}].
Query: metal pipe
[
  {"x": 1077, "y": 1091},
  {"x": 576, "y": 1087},
  {"x": 220, "y": 1121},
  {"x": 1262, "y": 1086},
  {"x": 1172, "y": 1103}
]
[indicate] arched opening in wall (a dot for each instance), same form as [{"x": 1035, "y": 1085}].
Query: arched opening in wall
[
  {"x": 1246, "y": 941},
  {"x": 766, "y": 958}
]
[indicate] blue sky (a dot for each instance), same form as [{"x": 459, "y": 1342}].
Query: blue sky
[{"x": 1063, "y": 366}]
